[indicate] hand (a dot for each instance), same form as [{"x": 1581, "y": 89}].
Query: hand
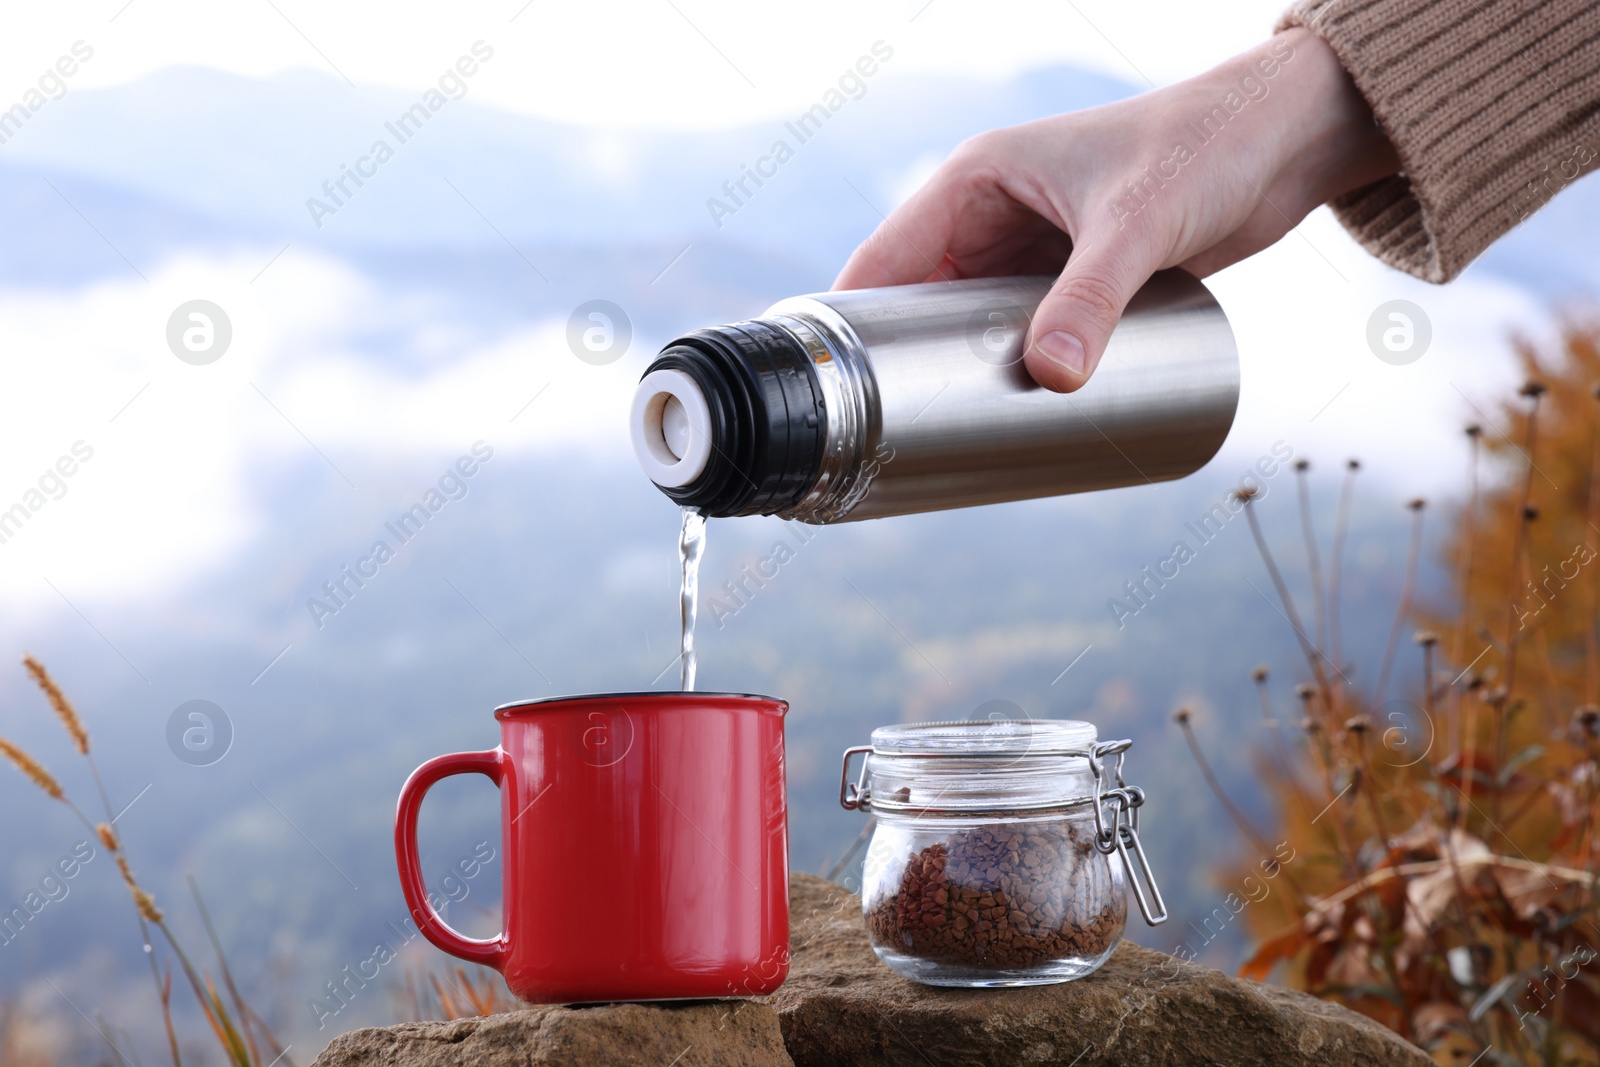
[{"x": 1198, "y": 175}]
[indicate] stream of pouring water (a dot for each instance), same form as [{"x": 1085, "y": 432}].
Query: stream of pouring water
[{"x": 691, "y": 546}]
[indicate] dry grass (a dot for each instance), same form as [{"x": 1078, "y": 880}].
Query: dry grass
[
  {"x": 237, "y": 1031},
  {"x": 242, "y": 1036},
  {"x": 455, "y": 993},
  {"x": 1447, "y": 836}
]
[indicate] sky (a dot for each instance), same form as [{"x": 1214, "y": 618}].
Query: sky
[{"x": 667, "y": 64}]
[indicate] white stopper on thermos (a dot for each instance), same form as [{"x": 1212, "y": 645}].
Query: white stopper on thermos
[{"x": 670, "y": 425}]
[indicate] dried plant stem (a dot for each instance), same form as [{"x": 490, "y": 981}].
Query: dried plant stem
[
  {"x": 1447, "y": 841},
  {"x": 1313, "y": 656},
  {"x": 1519, "y": 537},
  {"x": 1586, "y": 859},
  {"x": 1591, "y": 632},
  {"x": 163, "y": 987},
  {"x": 1466, "y": 763},
  {"x": 164, "y": 990},
  {"x": 1500, "y": 710},
  {"x": 1336, "y": 572},
  {"x": 1322, "y": 757},
  {"x": 1428, "y": 690},
  {"x": 1448, "y": 847},
  {"x": 1469, "y": 524},
  {"x": 445, "y": 1001},
  {"x": 1468, "y": 863},
  {"x": 1369, "y": 786},
  {"x": 1408, "y": 1022},
  {"x": 1537, "y": 631},
  {"x": 204, "y": 992},
  {"x": 1280, "y": 752},
  {"x": 144, "y": 910},
  {"x": 1216, "y": 786},
  {"x": 1403, "y": 608},
  {"x": 1319, "y": 608},
  {"x": 1227, "y": 804},
  {"x": 227, "y": 972},
  {"x": 1550, "y": 685}
]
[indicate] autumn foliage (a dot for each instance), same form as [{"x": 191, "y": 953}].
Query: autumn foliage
[{"x": 1445, "y": 836}]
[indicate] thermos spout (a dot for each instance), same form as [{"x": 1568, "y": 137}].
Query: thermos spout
[{"x": 671, "y": 428}]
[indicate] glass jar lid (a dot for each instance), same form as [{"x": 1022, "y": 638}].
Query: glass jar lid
[
  {"x": 992, "y": 765},
  {"x": 991, "y": 737}
]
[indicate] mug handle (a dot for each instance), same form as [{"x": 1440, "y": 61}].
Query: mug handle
[{"x": 489, "y": 952}]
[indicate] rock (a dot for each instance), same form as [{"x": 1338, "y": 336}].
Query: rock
[
  {"x": 842, "y": 1008},
  {"x": 703, "y": 1034}
]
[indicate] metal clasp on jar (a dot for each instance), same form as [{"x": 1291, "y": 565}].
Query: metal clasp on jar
[
  {"x": 1118, "y": 831},
  {"x": 853, "y": 796}
]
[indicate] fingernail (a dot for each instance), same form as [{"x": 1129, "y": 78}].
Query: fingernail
[{"x": 1061, "y": 347}]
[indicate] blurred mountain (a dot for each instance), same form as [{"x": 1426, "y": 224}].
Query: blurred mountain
[{"x": 249, "y": 153}]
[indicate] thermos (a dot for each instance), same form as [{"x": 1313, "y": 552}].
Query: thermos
[{"x": 873, "y": 402}]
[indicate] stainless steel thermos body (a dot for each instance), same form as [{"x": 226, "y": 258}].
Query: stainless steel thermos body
[{"x": 873, "y": 402}]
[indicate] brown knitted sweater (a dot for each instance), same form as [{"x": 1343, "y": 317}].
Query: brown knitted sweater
[{"x": 1492, "y": 105}]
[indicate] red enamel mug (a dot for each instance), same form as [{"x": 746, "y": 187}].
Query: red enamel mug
[{"x": 645, "y": 850}]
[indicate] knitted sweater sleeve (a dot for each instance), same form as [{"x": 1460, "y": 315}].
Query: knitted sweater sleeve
[{"x": 1493, "y": 107}]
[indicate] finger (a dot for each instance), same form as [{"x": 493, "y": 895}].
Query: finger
[
  {"x": 1073, "y": 323},
  {"x": 910, "y": 245},
  {"x": 946, "y": 271}
]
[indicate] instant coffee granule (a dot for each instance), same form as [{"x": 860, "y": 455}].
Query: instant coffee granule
[{"x": 993, "y": 897}]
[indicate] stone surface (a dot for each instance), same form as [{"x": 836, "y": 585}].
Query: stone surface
[
  {"x": 703, "y": 1034},
  {"x": 840, "y": 1006}
]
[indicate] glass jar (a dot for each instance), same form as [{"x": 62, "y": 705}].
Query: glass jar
[{"x": 1001, "y": 850}]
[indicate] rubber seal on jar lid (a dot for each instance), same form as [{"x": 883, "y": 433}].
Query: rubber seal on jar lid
[{"x": 998, "y": 737}]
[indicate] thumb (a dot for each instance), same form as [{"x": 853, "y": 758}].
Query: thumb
[{"x": 1075, "y": 319}]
